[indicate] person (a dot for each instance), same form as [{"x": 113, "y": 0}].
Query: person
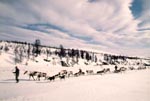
[
  {"x": 80, "y": 70},
  {"x": 116, "y": 68},
  {"x": 16, "y": 74}
]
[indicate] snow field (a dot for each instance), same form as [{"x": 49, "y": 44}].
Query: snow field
[{"x": 129, "y": 86}]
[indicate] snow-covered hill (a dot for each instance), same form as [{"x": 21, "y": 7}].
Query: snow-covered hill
[{"x": 129, "y": 85}]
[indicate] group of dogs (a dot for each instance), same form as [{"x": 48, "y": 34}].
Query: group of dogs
[{"x": 35, "y": 75}]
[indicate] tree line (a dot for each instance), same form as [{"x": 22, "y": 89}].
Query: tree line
[{"x": 24, "y": 49}]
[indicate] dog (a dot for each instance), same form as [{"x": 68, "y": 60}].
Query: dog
[
  {"x": 31, "y": 74},
  {"x": 51, "y": 78},
  {"x": 89, "y": 71},
  {"x": 62, "y": 77},
  {"x": 100, "y": 72}
]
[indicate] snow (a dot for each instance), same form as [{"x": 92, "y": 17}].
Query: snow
[
  {"x": 127, "y": 86},
  {"x": 130, "y": 86}
]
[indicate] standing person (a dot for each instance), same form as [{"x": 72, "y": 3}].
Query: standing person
[
  {"x": 80, "y": 71},
  {"x": 16, "y": 74},
  {"x": 116, "y": 68}
]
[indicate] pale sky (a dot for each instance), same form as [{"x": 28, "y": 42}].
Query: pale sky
[{"x": 115, "y": 26}]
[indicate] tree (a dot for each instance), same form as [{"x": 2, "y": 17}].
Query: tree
[
  {"x": 37, "y": 47},
  {"x": 95, "y": 58},
  {"x": 18, "y": 51},
  {"x": 28, "y": 51},
  {"x": 82, "y": 54},
  {"x": 87, "y": 56},
  {"x": 6, "y": 49},
  {"x": 48, "y": 52},
  {"x": 1, "y": 48},
  {"x": 77, "y": 53},
  {"x": 72, "y": 52},
  {"x": 69, "y": 53},
  {"x": 62, "y": 51},
  {"x": 20, "y": 54}
]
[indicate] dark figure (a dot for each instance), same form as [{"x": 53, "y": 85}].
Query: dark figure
[
  {"x": 76, "y": 74},
  {"x": 101, "y": 72},
  {"x": 62, "y": 77},
  {"x": 16, "y": 74},
  {"x": 80, "y": 70},
  {"x": 40, "y": 74},
  {"x": 31, "y": 74},
  {"x": 52, "y": 78},
  {"x": 116, "y": 68}
]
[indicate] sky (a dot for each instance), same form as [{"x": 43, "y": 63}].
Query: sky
[{"x": 114, "y": 26}]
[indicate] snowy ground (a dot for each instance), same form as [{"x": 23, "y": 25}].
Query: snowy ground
[{"x": 129, "y": 86}]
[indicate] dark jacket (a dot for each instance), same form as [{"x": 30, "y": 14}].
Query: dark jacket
[{"x": 16, "y": 71}]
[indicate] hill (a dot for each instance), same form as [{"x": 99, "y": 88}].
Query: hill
[{"x": 128, "y": 84}]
